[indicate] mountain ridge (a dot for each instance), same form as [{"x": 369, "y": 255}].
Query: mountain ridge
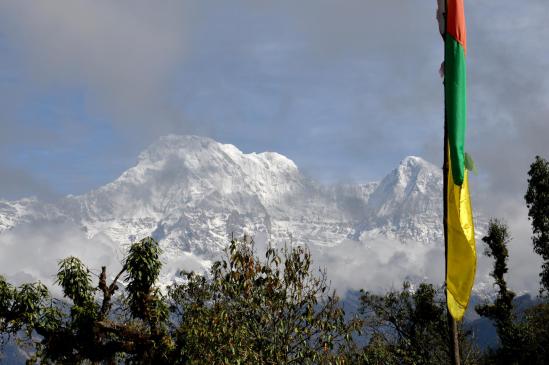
[
  {"x": 200, "y": 173},
  {"x": 192, "y": 194}
]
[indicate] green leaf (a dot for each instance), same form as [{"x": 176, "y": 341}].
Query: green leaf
[{"x": 470, "y": 164}]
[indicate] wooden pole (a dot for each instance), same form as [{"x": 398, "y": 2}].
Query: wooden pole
[{"x": 453, "y": 339}]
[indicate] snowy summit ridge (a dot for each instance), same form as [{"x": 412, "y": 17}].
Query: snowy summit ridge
[{"x": 192, "y": 193}]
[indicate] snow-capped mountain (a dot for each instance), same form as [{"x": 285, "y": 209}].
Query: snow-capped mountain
[{"x": 192, "y": 193}]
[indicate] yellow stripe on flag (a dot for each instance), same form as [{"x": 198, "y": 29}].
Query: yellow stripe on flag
[{"x": 461, "y": 250}]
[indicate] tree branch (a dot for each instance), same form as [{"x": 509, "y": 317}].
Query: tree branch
[{"x": 108, "y": 291}]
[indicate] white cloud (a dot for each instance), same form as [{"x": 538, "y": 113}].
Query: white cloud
[
  {"x": 123, "y": 54},
  {"x": 30, "y": 252},
  {"x": 379, "y": 265},
  {"x": 384, "y": 264}
]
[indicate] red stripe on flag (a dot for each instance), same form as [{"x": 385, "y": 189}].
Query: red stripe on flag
[{"x": 455, "y": 22}]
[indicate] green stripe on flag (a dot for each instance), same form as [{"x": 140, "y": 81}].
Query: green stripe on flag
[{"x": 455, "y": 85}]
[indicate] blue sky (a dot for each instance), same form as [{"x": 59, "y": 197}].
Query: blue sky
[{"x": 344, "y": 88}]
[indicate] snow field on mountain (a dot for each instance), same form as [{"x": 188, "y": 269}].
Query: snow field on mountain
[{"x": 192, "y": 194}]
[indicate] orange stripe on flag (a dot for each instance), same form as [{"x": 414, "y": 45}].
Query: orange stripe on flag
[{"x": 455, "y": 22}]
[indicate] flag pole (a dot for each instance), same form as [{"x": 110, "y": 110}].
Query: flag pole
[{"x": 453, "y": 339}]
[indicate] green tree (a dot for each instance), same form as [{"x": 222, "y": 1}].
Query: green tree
[
  {"x": 253, "y": 311},
  {"x": 537, "y": 201},
  {"x": 247, "y": 311},
  {"x": 512, "y": 341},
  {"x": 522, "y": 340},
  {"x": 86, "y": 329},
  {"x": 410, "y": 327},
  {"x": 536, "y": 327}
]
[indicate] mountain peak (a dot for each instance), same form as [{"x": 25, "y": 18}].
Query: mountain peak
[
  {"x": 408, "y": 200},
  {"x": 193, "y": 193},
  {"x": 189, "y": 147},
  {"x": 200, "y": 190},
  {"x": 416, "y": 162},
  {"x": 413, "y": 172},
  {"x": 191, "y": 175}
]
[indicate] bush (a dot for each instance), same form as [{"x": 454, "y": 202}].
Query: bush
[{"x": 253, "y": 311}]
